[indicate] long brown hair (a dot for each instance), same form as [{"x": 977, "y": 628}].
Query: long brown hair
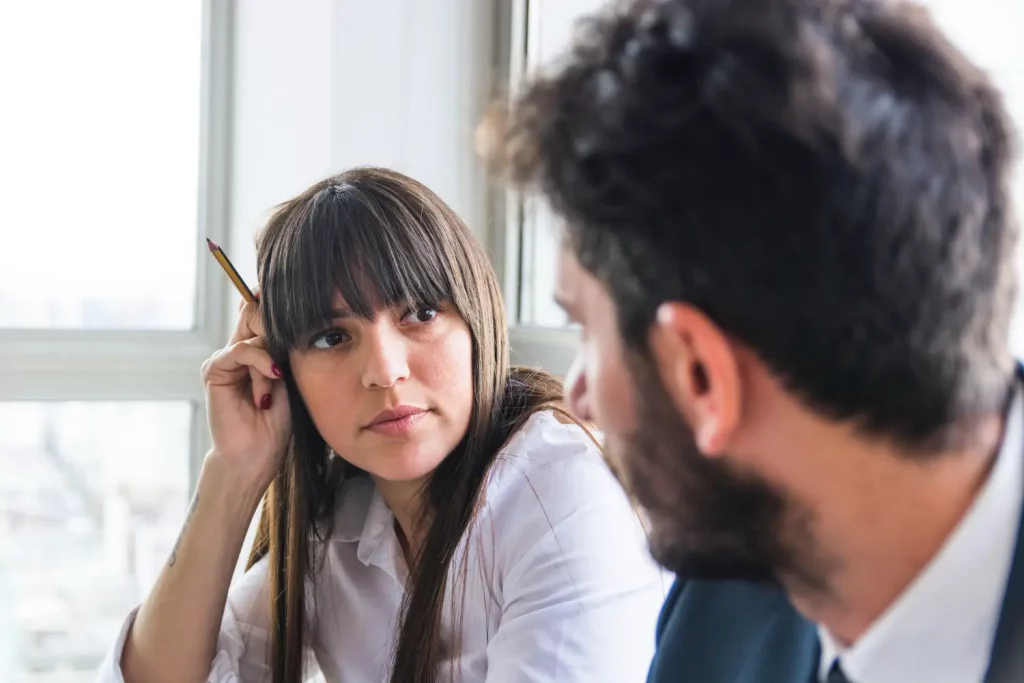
[{"x": 380, "y": 238}]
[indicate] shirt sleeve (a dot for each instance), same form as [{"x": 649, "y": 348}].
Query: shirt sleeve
[
  {"x": 580, "y": 594},
  {"x": 243, "y": 645}
]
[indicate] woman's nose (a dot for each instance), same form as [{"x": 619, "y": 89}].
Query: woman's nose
[{"x": 387, "y": 358}]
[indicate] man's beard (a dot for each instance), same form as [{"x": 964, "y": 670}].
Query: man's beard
[{"x": 708, "y": 520}]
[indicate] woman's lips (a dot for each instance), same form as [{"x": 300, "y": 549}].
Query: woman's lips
[{"x": 398, "y": 422}]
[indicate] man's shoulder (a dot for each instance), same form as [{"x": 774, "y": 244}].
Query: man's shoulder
[
  {"x": 713, "y": 631},
  {"x": 698, "y": 604}
]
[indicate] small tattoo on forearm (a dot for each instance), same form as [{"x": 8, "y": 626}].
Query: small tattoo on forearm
[{"x": 188, "y": 516}]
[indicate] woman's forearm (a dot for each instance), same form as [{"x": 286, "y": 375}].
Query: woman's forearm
[{"x": 174, "y": 636}]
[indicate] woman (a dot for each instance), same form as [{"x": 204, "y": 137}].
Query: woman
[{"x": 429, "y": 513}]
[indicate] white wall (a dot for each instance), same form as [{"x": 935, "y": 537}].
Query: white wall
[
  {"x": 988, "y": 31},
  {"x": 324, "y": 85}
]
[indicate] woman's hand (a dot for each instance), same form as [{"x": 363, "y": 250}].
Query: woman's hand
[{"x": 247, "y": 405}]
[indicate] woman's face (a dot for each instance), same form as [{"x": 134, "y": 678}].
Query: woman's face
[{"x": 393, "y": 396}]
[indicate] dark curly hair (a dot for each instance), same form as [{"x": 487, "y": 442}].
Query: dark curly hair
[{"x": 828, "y": 180}]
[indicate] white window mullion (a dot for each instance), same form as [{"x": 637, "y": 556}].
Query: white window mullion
[{"x": 71, "y": 365}]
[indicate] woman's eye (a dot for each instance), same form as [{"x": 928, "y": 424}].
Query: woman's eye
[
  {"x": 329, "y": 339},
  {"x": 421, "y": 315}
]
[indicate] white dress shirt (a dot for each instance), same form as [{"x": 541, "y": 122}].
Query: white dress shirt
[
  {"x": 558, "y": 583},
  {"x": 942, "y": 627}
]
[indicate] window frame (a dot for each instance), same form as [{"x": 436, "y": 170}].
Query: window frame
[
  {"x": 552, "y": 348},
  {"x": 152, "y": 365}
]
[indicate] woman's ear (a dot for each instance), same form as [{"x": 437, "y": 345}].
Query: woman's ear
[{"x": 697, "y": 365}]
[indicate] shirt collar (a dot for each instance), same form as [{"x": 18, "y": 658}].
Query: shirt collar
[
  {"x": 942, "y": 627},
  {"x": 351, "y": 513},
  {"x": 364, "y": 518}
]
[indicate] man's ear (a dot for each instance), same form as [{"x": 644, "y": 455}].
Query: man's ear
[{"x": 697, "y": 365}]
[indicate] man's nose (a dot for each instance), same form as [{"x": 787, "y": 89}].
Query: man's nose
[{"x": 576, "y": 390}]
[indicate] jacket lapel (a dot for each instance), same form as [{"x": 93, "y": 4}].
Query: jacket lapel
[{"x": 1007, "y": 660}]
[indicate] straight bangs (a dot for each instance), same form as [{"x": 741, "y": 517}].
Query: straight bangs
[
  {"x": 367, "y": 244},
  {"x": 370, "y": 239}
]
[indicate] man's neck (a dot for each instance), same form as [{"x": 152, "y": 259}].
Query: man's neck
[{"x": 882, "y": 523}]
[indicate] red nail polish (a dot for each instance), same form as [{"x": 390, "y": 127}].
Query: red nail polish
[
  {"x": 265, "y": 402},
  {"x": 276, "y": 370}
]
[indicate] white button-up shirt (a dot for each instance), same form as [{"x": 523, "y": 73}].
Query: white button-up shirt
[
  {"x": 942, "y": 627},
  {"x": 558, "y": 584}
]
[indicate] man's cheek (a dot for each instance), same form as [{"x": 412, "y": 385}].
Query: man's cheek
[
  {"x": 614, "y": 451},
  {"x": 612, "y": 404}
]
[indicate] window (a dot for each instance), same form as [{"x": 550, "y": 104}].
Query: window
[
  {"x": 548, "y": 34},
  {"x": 91, "y": 501},
  {"x": 541, "y": 29},
  {"x": 101, "y": 166},
  {"x": 113, "y": 170}
]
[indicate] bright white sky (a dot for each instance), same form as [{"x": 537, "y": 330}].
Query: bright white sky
[{"x": 99, "y": 165}]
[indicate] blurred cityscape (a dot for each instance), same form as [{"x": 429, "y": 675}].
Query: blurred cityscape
[{"x": 91, "y": 499}]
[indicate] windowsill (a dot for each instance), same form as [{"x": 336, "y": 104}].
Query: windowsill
[{"x": 546, "y": 347}]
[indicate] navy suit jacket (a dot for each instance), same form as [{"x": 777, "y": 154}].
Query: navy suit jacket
[{"x": 736, "y": 632}]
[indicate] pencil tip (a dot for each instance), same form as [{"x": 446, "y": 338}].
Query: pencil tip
[{"x": 211, "y": 244}]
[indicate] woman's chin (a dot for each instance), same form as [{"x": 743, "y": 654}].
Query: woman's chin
[{"x": 403, "y": 465}]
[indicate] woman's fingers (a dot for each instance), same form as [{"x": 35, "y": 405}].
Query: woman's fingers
[
  {"x": 232, "y": 364},
  {"x": 249, "y": 324},
  {"x": 262, "y": 386},
  {"x": 246, "y": 355},
  {"x": 242, "y": 331},
  {"x": 256, "y": 294},
  {"x": 262, "y": 390}
]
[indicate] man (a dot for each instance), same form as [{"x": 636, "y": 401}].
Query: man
[{"x": 789, "y": 245}]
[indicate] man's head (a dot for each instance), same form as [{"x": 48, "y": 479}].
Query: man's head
[{"x": 786, "y": 220}]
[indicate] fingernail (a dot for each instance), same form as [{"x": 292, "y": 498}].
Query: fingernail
[
  {"x": 265, "y": 402},
  {"x": 276, "y": 370}
]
